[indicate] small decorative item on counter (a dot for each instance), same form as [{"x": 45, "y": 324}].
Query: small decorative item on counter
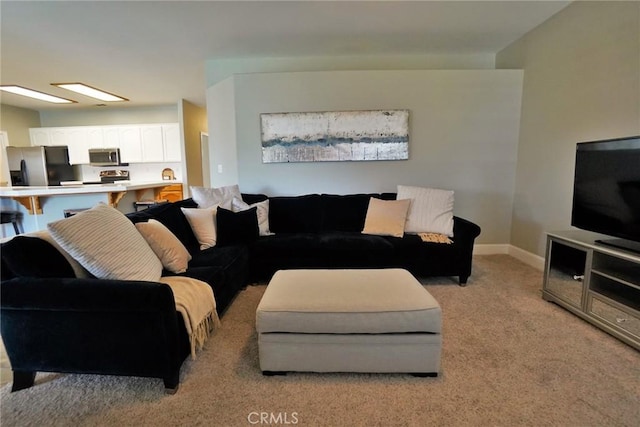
[{"x": 167, "y": 174}]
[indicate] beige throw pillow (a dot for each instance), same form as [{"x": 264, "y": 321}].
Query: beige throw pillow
[
  {"x": 386, "y": 217},
  {"x": 207, "y": 197},
  {"x": 172, "y": 253},
  {"x": 203, "y": 225},
  {"x": 431, "y": 210},
  {"x": 107, "y": 244}
]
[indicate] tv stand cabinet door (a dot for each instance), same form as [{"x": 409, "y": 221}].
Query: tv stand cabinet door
[{"x": 565, "y": 274}]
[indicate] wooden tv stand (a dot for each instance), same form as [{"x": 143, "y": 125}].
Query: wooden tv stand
[{"x": 598, "y": 283}]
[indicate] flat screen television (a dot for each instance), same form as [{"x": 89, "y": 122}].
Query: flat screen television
[{"x": 606, "y": 191}]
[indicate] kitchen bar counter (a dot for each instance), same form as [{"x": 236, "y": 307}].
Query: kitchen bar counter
[
  {"x": 61, "y": 190},
  {"x": 29, "y": 196}
]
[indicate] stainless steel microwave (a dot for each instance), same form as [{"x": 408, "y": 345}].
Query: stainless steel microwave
[{"x": 104, "y": 156}]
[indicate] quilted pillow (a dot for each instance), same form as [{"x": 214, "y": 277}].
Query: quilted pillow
[
  {"x": 431, "y": 210},
  {"x": 386, "y": 217},
  {"x": 222, "y": 196},
  {"x": 107, "y": 244},
  {"x": 172, "y": 253}
]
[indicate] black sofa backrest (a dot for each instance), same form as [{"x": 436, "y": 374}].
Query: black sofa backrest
[
  {"x": 347, "y": 212},
  {"x": 297, "y": 214},
  {"x": 314, "y": 213}
]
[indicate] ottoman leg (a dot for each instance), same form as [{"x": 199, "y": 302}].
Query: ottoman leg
[
  {"x": 273, "y": 373},
  {"x": 424, "y": 374}
]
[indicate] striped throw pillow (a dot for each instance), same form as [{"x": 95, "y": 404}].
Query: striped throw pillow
[{"x": 107, "y": 244}]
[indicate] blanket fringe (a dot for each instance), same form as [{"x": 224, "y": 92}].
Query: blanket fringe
[
  {"x": 435, "y": 238},
  {"x": 203, "y": 331}
]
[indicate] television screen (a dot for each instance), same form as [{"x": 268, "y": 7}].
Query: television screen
[{"x": 606, "y": 192}]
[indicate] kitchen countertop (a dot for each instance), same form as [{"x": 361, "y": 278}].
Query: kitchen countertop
[{"x": 44, "y": 191}]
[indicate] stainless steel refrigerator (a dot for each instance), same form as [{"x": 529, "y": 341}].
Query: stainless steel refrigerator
[{"x": 39, "y": 165}]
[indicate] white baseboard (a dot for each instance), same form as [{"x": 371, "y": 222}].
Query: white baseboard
[
  {"x": 527, "y": 257},
  {"x": 488, "y": 249}
]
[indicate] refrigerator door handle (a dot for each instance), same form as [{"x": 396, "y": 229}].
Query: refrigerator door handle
[{"x": 24, "y": 175}]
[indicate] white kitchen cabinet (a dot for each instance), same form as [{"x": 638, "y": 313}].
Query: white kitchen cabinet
[
  {"x": 172, "y": 146},
  {"x": 130, "y": 144},
  {"x": 58, "y": 136},
  {"x": 152, "y": 143},
  {"x": 39, "y": 136},
  {"x": 145, "y": 143},
  {"x": 75, "y": 138},
  {"x": 111, "y": 137},
  {"x": 95, "y": 137},
  {"x": 78, "y": 146}
]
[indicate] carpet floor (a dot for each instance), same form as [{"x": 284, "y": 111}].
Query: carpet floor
[{"x": 509, "y": 359}]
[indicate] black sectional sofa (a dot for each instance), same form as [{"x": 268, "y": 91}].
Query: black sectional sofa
[
  {"x": 52, "y": 321},
  {"x": 324, "y": 231}
]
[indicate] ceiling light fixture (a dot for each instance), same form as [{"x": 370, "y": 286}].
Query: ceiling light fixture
[
  {"x": 91, "y": 92},
  {"x": 19, "y": 90}
]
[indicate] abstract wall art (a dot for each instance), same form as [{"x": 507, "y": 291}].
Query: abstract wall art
[{"x": 335, "y": 136}]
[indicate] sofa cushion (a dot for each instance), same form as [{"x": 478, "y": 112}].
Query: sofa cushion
[
  {"x": 431, "y": 210},
  {"x": 299, "y": 214},
  {"x": 345, "y": 213},
  {"x": 170, "y": 215},
  {"x": 356, "y": 250},
  {"x": 236, "y": 227},
  {"x": 218, "y": 256},
  {"x": 107, "y": 244},
  {"x": 224, "y": 268},
  {"x": 172, "y": 253},
  {"x": 33, "y": 257},
  {"x": 284, "y": 245},
  {"x": 386, "y": 217}
]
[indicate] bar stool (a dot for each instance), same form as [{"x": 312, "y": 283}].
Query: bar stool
[
  {"x": 12, "y": 217},
  {"x": 142, "y": 205}
]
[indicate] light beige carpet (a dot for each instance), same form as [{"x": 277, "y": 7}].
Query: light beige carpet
[{"x": 509, "y": 359}]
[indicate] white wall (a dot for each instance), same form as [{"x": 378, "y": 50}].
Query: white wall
[
  {"x": 581, "y": 83},
  {"x": 16, "y": 122},
  {"x": 221, "y": 114},
  {"x": 220, "y": 69},
  {"x": 110, "y": 115},
  {"x": 463, "y": 135}
]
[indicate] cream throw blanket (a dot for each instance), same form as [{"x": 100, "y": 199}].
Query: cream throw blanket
[
  {"x": 435, "y": 238},
  {"x": 195, "y": 301}
]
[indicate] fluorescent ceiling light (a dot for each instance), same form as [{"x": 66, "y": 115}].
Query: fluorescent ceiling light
[
  {"x": 91, "y": 92},
  {"x": 19, "y": 90}
]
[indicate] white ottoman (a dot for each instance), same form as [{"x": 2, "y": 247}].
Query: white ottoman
[{"x": 348, "y": 321}]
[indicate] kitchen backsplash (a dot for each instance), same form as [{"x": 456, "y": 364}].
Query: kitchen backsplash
[{"x": 139, "y": 172}]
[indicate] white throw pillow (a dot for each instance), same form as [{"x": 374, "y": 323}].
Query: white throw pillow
[
  {"x": 386, "y": 217},
  {"x": 203, "y": 224},
  {"x": 431, "y": 210},
  {"x": 107, "y": 244},
  {"x": 262, "y": 212},
  {"x": 172, "y": 253},
  {"x": 206, "y": 197}
]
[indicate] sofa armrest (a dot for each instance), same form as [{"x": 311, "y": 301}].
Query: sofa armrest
[
  {"x": 75, "y": 294},
  {"x": 465, "y": 230},
  {"x": 91, "y": 326}
]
